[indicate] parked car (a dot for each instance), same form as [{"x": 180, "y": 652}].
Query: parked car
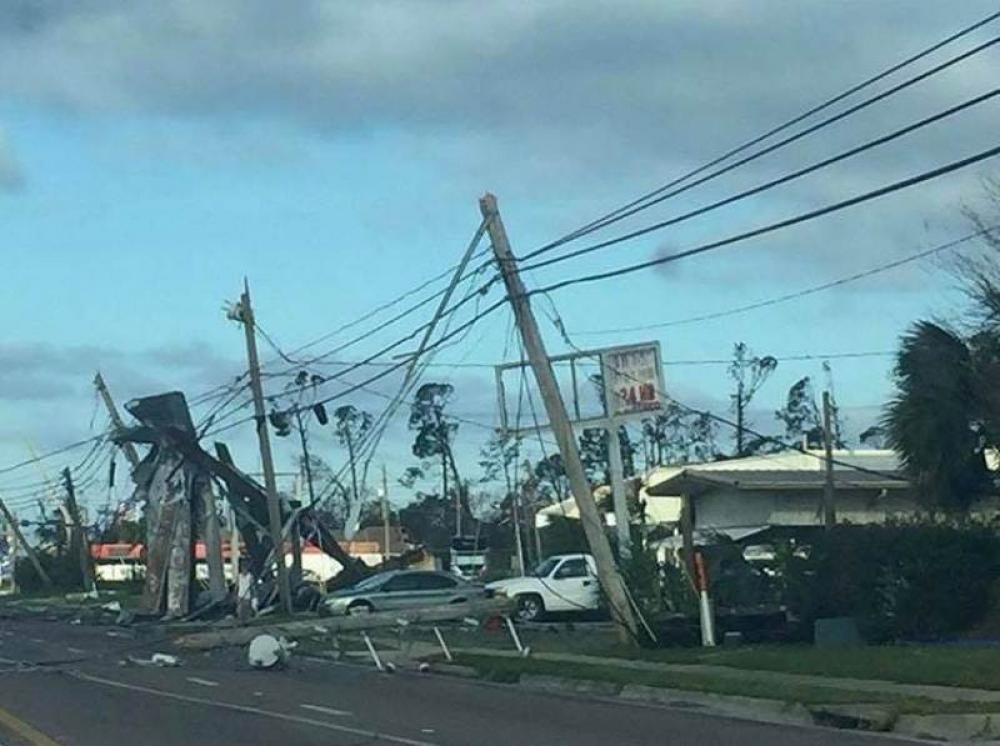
[
  {"x": 563, "y": 582},
  {"x": 400, "y": 589}
]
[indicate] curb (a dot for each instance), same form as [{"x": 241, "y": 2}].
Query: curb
[
  {"x": 744, "y": 708},
  {"x": 879, "y": 718},
  {"x": 949, "y": 727}
]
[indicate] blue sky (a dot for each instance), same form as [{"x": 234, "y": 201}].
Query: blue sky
[{"x": 151, "y": 157}]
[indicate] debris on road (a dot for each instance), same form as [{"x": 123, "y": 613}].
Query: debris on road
[
  {"x": 267, "y": 651},
  {"x": 160, "y": 660}
]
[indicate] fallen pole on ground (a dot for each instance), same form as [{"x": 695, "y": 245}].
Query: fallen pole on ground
[{"x": 328, "y": 625}]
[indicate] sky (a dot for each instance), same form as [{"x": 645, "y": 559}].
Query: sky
[{"x": 152, "y": 155}]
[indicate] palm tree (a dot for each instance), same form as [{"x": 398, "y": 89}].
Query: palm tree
[{"x": 937, "y": 420}]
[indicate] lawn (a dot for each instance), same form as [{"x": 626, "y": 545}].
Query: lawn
[
  {"x": 948, "y": 665},
  {"x": 976, "y": 666},
  {"x": 509, "y": 670}
]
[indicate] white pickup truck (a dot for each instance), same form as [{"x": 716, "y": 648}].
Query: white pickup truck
[{"x": 563, "y": 582}]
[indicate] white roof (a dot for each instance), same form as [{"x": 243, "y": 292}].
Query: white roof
[{"x": 881, "y": 460}]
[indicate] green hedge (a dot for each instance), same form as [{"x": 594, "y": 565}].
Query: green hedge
[{"x": 900, "y": 581}]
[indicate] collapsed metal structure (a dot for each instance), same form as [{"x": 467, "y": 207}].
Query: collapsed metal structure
[{"x": 176, "y": 482}]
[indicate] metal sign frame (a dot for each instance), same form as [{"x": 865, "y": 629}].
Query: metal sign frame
[{"x": 571, "y": 358}]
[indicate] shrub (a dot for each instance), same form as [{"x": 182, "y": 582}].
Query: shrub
[{"x": 923, "y": 580}]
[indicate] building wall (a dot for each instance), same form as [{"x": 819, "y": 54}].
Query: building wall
[{"x": 730, "y": 507}]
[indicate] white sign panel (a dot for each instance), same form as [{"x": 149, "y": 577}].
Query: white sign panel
[{"x": 633, "y": 379}]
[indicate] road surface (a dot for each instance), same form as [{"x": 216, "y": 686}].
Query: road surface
[{"x": 78, "y": 692}]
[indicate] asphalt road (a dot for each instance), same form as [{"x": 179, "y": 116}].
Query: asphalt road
[{"x": 82, "y": 694}]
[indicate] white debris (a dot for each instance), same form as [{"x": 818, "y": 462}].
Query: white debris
[
  {"x": 163, "y": 659},
  {"x": 266, "y": 651}
]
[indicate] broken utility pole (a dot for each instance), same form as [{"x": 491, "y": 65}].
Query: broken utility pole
[
  {"x": 267, "y": 460},
  {"x": 611, "y": 581},
  {"x": 128, "y": 448},
  {"x": 28, "y": 549},
  {"x": 829, "y": 496},
  {"x": 78, "y": 534},
  {"x": 385, "y": 515}
]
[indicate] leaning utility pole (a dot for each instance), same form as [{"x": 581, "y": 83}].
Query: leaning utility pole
[
  {"x": 79, "y": 534},
  {"x": 385, "y": 515},
  {"x": 116, "y": 420},
  {"x": 611, "y": 581},
  {"x": 28, "y": 549},
  {"x": 829, "y": 509},
  {"x": 266, "y": 458}
]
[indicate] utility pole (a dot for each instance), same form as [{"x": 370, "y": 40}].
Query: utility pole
[
  {"x": 13, "y": 548},
  {"x": 611, "y": 582},
  {"x": 12, "y": 521},
  {"x": 739, "y": 419},
  {"x": 385, "y": 515},
  {"x": 79, "y": 534},
  {"x": 515, "y": 509},
  {"x": 116, "y": 420},
  {"x": 829, "y": 497},
  {"x": 266, "y": 458},
  {"x": 618, "y": 497}
]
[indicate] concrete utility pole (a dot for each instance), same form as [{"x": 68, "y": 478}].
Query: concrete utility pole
[
  {"x": 515, "y": 510},
  {"x": 619, "y": 498},
  {"x": 266, "y": 458},
  {"x": 79, "y": 533},
  {"x": 116, "y": 420},
  {"x": 611, "y": 582},
  {"x": 385, "y": 515},
  {"x": 28, "y": 549},
  {"x": 829, "y": 496}
]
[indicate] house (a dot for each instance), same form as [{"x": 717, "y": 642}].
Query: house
[
  {"x": 121, "y": 562},
  {"x": 743, "y": 497}
]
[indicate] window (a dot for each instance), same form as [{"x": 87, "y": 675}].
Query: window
[
  {"x": 432, "y": 582},
  {"x": 573, "y": 568},
  {"x": 543, "y": 570},
  {"x": 374, "y": 581},
  {"x": 403, "y": 582}
]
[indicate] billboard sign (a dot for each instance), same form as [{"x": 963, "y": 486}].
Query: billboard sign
[{"x": 633, "y": 379}]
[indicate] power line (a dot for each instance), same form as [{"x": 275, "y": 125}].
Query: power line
[
  {"x": 759, "y": 189},
  {"x": 617, "y": 214},
  {"x": 799, "y": 293},
  {"x": 730, "y": 423},
  {"x": 771, "y": 227}
]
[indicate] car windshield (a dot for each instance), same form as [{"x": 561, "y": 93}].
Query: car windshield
[{"x": 546, "y": 567}]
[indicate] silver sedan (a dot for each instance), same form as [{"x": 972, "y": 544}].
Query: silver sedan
[{"x": 401, "y": 589}]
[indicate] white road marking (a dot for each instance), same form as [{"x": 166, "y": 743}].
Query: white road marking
[
  {"x": 327, "y": 710},
  {"x": 71, "y": 649},
  {"x": 36, "y": 640},
  {"x": 374, "y": 735},
  {"x": 202, "y": 682}
]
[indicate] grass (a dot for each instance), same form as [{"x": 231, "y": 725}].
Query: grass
[
  {"x": 508, "y": 670},
  {"x": 946, "y": 665}
]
